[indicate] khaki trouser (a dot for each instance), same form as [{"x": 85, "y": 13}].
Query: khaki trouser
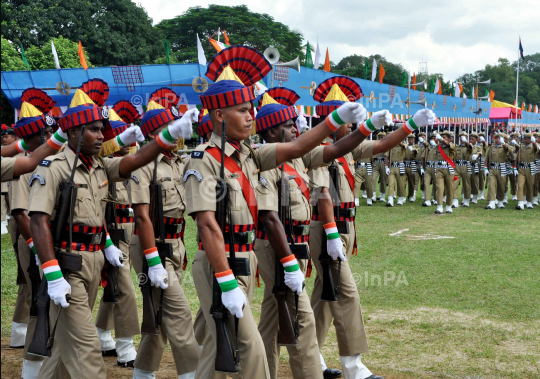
[
  {"x": 253, "y": 363},
  {"x": 481, "y": 178},
  {"x": 412, "y": 181},
  {"x": 513, "y": 184},
  {"x": 475, "y": 183},
  {"x": 176, "y": 326},
  {"x": 496, "y": 185},
  {"x": 199, "y": 327},
  {"x": 444, "y": 184},
  {"x": 536, "y": 188},
  {"x": 3, "y": 208},
  {"x": 21, "y": 313},
  {"x": 463, "y": 174},
  {"x": 346, "y": 312},
  {"x": 77, "y": 352},
  {"x": 304, "y": 359},
  {"x": 33, "y": 320},
  {"x": 525, "y": 182},
  {"x": 430, "y": 179},
  {"x": 396, "y": 179},
  {"x": 379, "y": 171},
  {"x": 367, "y": 184},
  {"x": 121, "y": 316}
]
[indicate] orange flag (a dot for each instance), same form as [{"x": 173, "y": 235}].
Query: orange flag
[
  {"x": 460, "y": 88},
  {"x": 82, "y": 57},
  {"x": 440, "y": 87},
  {"x": 530, "y": 107},
  {"x": 226, "y": 38},
  {"x": 491, "y": 95},
  {"x": 414, "y": 78},
  {"x": 381, "y": 73},
  {"x": 515, "y": 103},
  {"x": 476, "y": 92},
  {"x": 327, "y": 62},
  {"x": 522, "y": 105}
]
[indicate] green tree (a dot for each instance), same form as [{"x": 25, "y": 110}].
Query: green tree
[
  {"x": 41, "y": 58},
  {"x": 11, "y": 58},
  {"x": 242, "y": 26},
  {"x": 115, "y": 32},
  {"x": 353, "y": 65}
]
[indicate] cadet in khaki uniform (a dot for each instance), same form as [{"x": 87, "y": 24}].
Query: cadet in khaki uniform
[
  {"x": 123, "y": 315},
  {"x": 482, "y": 173},
  {"x": 445, "y": 173},
  {"x": 380, "y": 171},
  {"x": 396, "y": 178},
  {"x": 430, "y": 179},
  {"x": 536, "y": 188},
  {"x": 511, "y": 171},
  {"x": 477, "y": 155},
  {"x": 515, "y": 145},
  {"x": 463, "y": 170},
  {"x": 499, "y": 153},
  {"x": 346, "y": 312},
  {"x": 420, "y": 168},
  {"x": 364, "y": 179},
  {"x": 177, "y": 326},
  {"x": 525, "y": 162},
  {"x": 411, "y": 170},
  {"x": 76, "y": 352},
  {"x": 230, "y": 101}
]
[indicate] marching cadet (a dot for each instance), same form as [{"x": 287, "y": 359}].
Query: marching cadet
[
  {"x": 510, "y": 169},
  {"x": 122, "y": 315},
  {"x": 346, "y": 312},
  {"x": 430, "y": 178},
  {"x": 525, "y": 162},
  {"x": 34, "y": 128},
  {"x": 76, "y": 351},
  {"x": 420, "y": 169},
  {"x": 463, "y": 170},
  {"x": 515, "y": 145},
  {"x": 476, "y": 157},
  {"x": 499, "y": 153},
  {"x": 167, "y": 170},
  {"x": 445, "y": 153},
  {"x": 396, "y": 178},
  {"x": 482, "y": 182},
  {"x": 380, "y": 171},
  {"x": 411, "y": 171},
  {"x": 536, "y": 188},
  {"x": 229, "y": 103}
]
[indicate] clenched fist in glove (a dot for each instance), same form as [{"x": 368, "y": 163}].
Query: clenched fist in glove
[
  {"x": 58, "y": 287},
  {"x": 482, "y": 139},
  {"x": 438, "y": 136},
  {"x": 387, "y": 169},
  {"x": 180, "y": 128},
  {"x": 422, "y": 172},
  {"x": 112, "y": 253},
  {"x": 433, "y": 143},
  {"x": 376, "y": 122},
  {"x": 347, "y": 113},
  {"x": 420, "y": 119},
  {"x": 156, "y": 272},
  {"x": 420, "y": 139},
  {"x": 333, "y": 242},
  {"x": 411, "y": 148},
  {"x": 232, "y": 296},
  {"x": 301, "y": 124},
  {"x": 294, "y": 278},
  {"x": 514, "y": 142},
  {"x": 129, "y": 136},
  {"x": 486, "y": 172},
  {"x": 463, "y": 139}
]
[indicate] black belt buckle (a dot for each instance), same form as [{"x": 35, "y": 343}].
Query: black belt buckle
[
  {"x": 300, "y": 250},
  {"x": 352, "y": 212},
  {"x": 95, "y": 238},
  {"x": 342, "y": 227},
  {"x": 301, "y": 230}
]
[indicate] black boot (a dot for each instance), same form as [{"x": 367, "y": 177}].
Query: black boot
[{"x": 331, "y": 373}]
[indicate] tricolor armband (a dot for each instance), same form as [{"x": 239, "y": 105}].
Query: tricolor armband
[
  {"x": 410, "y": 126},
  {"x": 152, "y": 257},
  {"x": 333, "y": 121},
  {"x": 226, "y": 280},
  {"x": 331, "y": 231},
  {"x": 119, "y": 142},
  {"x": 21, "y": 146},
  {"x": 165, "y": 140},
  {"x": 30, "y": 244},
  {"x": 367, "y": 127},
  {"x": 56, "y": 141},
  {"x": 290, "y": 263},
  {"x": 51, "y": 270},
  {"x": 109, "y": 242}
]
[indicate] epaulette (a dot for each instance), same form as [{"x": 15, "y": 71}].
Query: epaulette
[
  {"x": 47, "y": 161},
  {"x": 198, "y": 153}
]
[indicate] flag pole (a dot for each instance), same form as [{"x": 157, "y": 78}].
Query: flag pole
[{"x": 517, "y": 83}]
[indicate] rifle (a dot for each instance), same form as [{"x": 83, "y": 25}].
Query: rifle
[
  {"x": 20, "y": 273},
  {"x": 287, "y": 334},
  {"x": 329, "y": 292},
  {"x": 43, "y": 341},
  {"x": 35, "y": 280},
  {"x": 151, "y": 319}
]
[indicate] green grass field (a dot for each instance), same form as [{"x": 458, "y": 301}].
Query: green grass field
[{"x": 461, "y": 307}]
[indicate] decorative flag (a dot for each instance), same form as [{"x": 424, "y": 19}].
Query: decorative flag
[
  {"x": 404, "y": 79},
  {"x": 536, "y": 109},
  {"x": 437, "y": 86},
  {"x": 55, "y": 55},
  {"x": 317, "y": 57},
  {"x": 522, "y": 105},
  {"x": 520, "y": 49},
  {"x": 472, "y": 93},
  {"x": 457, "y": 90},
  {"x": 440, "y": 86},
  {"x": 475, "y": 92},
  {"x": 486, "y": 93},
  {"x": 226, "y": 38},
  {"x": 25, "y": 61},
  {"x": 491, "y": 95},
  {"x": 452, "y": 91},
  {"x": 374, "y": 70},
  {"x": 464, "y": 95},
  {"x": 432, "y": 86},
  {"x": 327, "y": 62},
  {"x": 366, "y": 67},
  {"x": 82, "y": 58},
  {"x": 460, "y": 88},
  {"x": 200, "y": 52},
  {"x": 309, "y": 60},
  {"x": 381, "y": 73},
  {"x": 167, "y": 48},
  {"x": 530, "y": 108},
  {"x": 515, "y": 103}
]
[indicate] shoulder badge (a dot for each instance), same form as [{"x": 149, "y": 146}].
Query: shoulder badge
[
  {"x": 196, "y": 173},
  {"x": 174, "y": 111},
  {"x": 134, "y": 178},
  {"x": 45, "y": 163},
  {"x": 38, "y": 177},
  {"x": 197, "y": 154},
  {"x": 49, "y": 120},
  {"x": 105, "y": 112}
]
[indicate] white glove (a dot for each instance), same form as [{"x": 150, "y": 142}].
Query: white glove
[
  {"x": 533, "y": 139},
  {"x": 356, "y": 202},
  {"x": 422, "y": 118},
  {"x": 411, "y": 148},
  {"x": 333, "y": 242},
  {"x": 182, "y": 128},
  {"x": 380, "y": 119},
  {"x": 234, "y": 300},
  {"x": 363, "y": 115},
  {"x": 516, "y": 172},
  {"x": 474, "y": 157},
  {"x": 301, "y": 124},
  {"x": 433, "y": 143},
  {"x": 387, "y": 170},
  {"x": 420, "y": 139},
  {"x": 486, "y": 171},
  {"x": 347, "y": 113},
  {"x": 421, "y": 171},
  {"x": 295, "y": 281},
  {"x": 463, "y": 139},
  {"x": 482, "y": 139},
  {"x": 501, "y": 140},
  {"x": 158, "y": 276},
  {"x": 514, "y": 142},
  {"x": 57, "y": 290},
  {"x": 438, "y": 136},
  {"x": 37, "y": 260},
  {"x": 129, "y": 136},
  {"x": 113, "y": 254}
]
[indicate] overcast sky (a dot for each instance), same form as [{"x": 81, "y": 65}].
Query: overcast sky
[{"x": 455, "y": 37}]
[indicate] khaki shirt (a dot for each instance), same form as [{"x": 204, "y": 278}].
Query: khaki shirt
[
  {"x": 4, "y": 187},
  {"x": 410, "y": 155},
  {"x": 20, "y": 192},
  {"x": 463, "y": 152},
  {"x": 527, "y": 153},
  {"x": 498, "y": 154},
  {"x": 202, "y": 171},
  {"x": 123, "y": 192},
  {"x": 93, "y": 186},
  {"x": 268, "y": 190},
  {"x": 8, "y": 166},
  {"x": 397, "y": 154},
  {"x": 449, "y": 150},
  {"x": 169, "y": 175}
]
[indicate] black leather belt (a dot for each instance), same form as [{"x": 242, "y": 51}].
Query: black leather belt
[
  {"x": 379, "y": 159},
  {"x": 462, "y": 162},
  {"x": 298, "y": 230},
  {"x": 173, "y": 228},
  {"x": 525, "y": 164},
  {"x": 241, "y": 238},
  {"x": 85, "y": 238},
  {"x": 124, "y": 213},
  {"x": 343, "y": 212}
]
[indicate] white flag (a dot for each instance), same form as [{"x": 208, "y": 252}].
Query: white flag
[
  {"x": 464, "y": 95},
  {"x": 200, "y": 52},
  {"x": 436, "y": 90},
  {"x": 317, "y": 58},
  {"x": 374, "y": 70},
  {"x": 456, "y": 90},
  {"x": 56, "y": 62}
]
